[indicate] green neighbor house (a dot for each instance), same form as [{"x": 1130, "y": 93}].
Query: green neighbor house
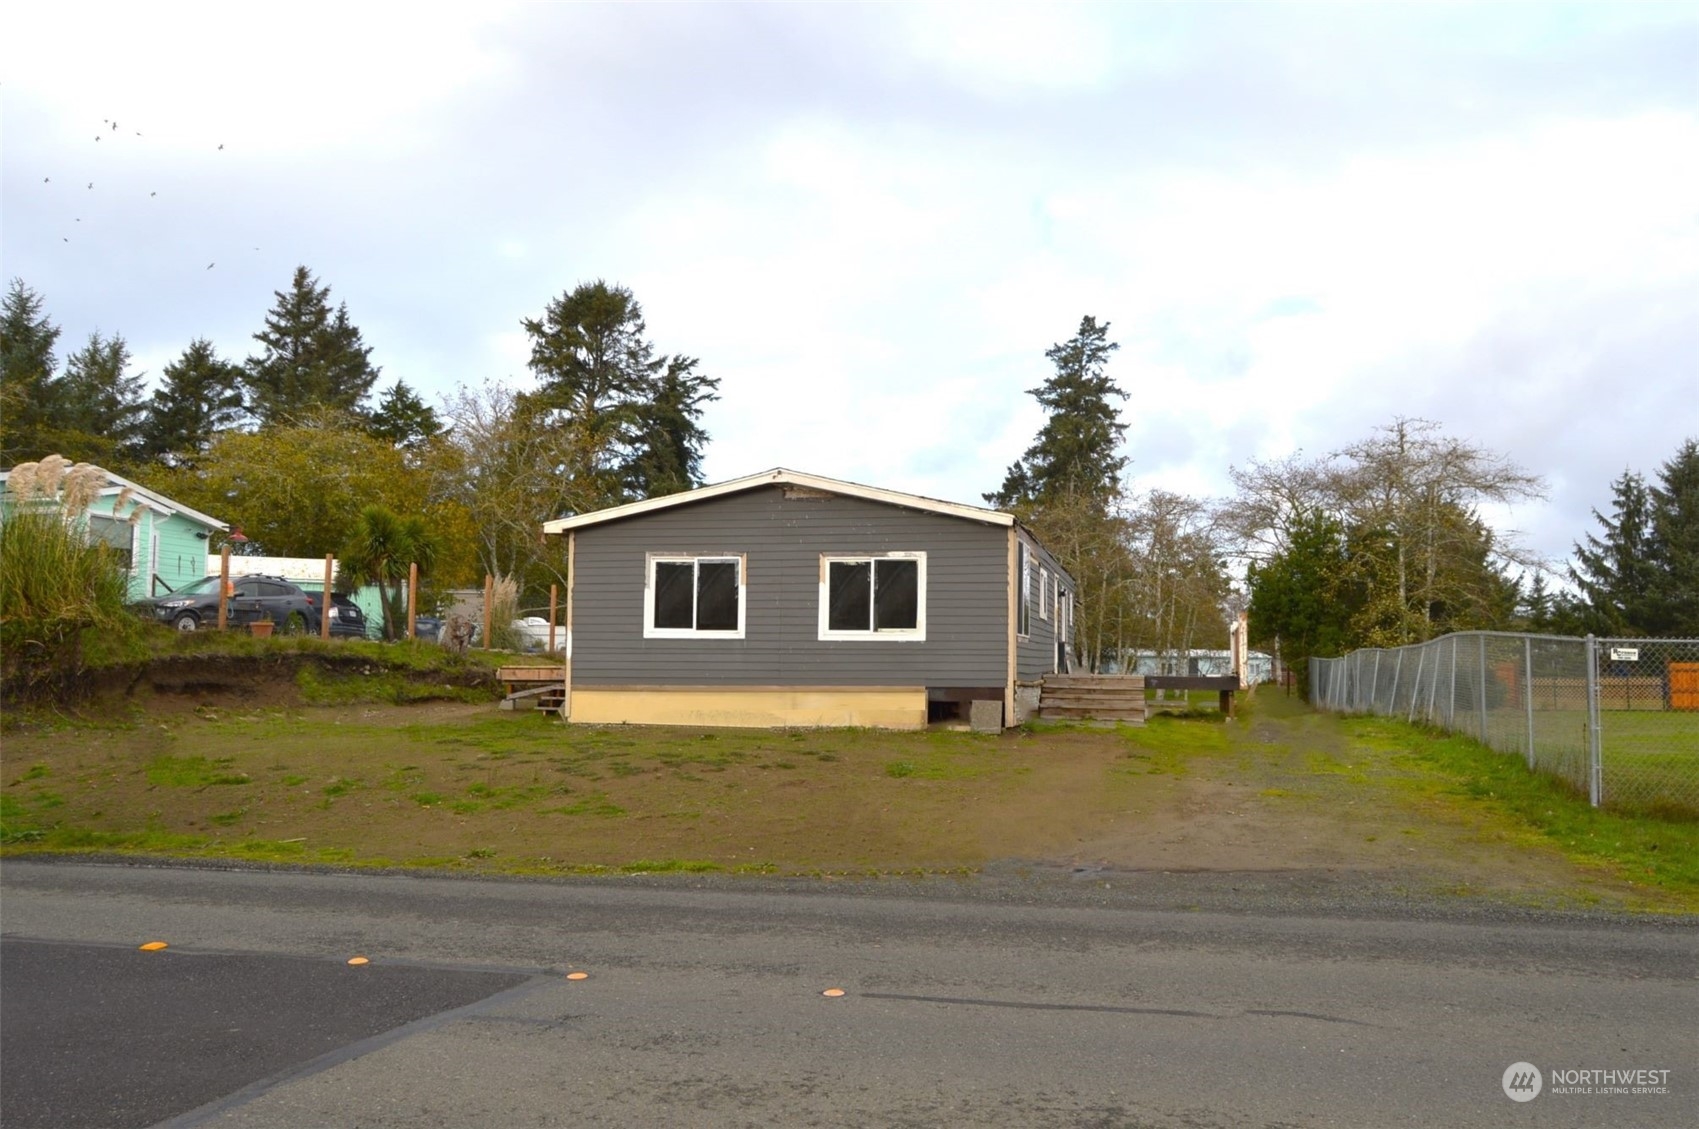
[{"x": 163, "y": 541}]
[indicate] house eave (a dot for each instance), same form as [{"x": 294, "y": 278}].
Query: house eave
[{"x": 779, "y": 476}]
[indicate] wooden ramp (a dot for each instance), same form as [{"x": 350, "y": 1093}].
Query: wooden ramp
[{"x": 1092, "y": 697}]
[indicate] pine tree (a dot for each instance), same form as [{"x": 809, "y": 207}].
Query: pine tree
[
  {"x": 1076, "y": 452},
  {"x": 403, "y": 420},
  {"x": 313, "y": 357},
  {"x": 1615, "y": 572},
  {"x": 628, "y": 418},
  {"x": 201, "y": 395},
  {"x": 27, "y": 365},
  {"x": 669, "y": 439},
  {"x": 1673, "y": 595},
  {"x": 98, "y": 404}
]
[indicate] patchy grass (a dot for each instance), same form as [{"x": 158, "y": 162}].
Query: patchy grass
[
  {"x": 459, "y": 786},
  {"x": 1662, "y": 852}
]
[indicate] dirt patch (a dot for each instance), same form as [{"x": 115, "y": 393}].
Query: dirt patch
[{"x": 217, "y": 763}]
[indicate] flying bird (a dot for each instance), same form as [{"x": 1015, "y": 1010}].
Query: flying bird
[
  {"x": 153, "y": 194},
  {"x": 221, "y": 145},
  {"x": 209, "y": 266},
  {"x": 91, "y": 184},
  {"x": 45, "y": 179}
]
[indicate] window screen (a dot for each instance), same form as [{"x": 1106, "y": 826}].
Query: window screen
[
  {"x": 112, "y": 533},
  {"x": 851, "y": 592},
  {"x": 696, "y": 595},
  {"x": 675, "y": 594},
  {"x": 716, "y": 595},
  {"x": 880, "y": 594},
  {"x": 896, "y": 595}
]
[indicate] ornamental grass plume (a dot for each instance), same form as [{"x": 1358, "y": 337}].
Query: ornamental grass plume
[{"x": 56, "y": 588}]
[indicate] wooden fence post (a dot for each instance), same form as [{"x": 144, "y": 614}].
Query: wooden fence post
[
  {"x": 324, "y": 611},
  {"x": 489, "y": 610},
  {"x": 412, "y": 597},
  {"x": 224, "y": 588}
]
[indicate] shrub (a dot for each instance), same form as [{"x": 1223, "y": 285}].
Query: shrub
[{"x": 55, "y": 587}]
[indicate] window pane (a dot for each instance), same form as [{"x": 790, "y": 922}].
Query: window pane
[
  {"x": 1022, "y": 615},
  {"x": 109, "y": 531},
  {"x": 849, "y": 587},
  {"x": 675, "y": 589},
  {"x": 896, "y": 605},
  {"x": 716, "y": 596}
]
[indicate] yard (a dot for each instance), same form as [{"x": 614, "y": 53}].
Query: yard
[{"x": 463, "y": 785}]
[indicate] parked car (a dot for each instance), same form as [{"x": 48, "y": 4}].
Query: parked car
[
  {"x": 533, "y": 631},
  {"x": 251, "y": 598},
  {"x": 347, "y": 621}
]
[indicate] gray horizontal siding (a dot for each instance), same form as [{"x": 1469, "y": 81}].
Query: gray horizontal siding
[
  {"x": 782, "y": 538},
  {"x": 1035, "y": 653}
]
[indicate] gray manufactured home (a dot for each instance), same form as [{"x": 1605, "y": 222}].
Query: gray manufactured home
[{"x": 786, "y": 598}]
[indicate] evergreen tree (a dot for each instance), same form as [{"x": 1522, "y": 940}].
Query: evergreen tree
[
  {"x": 1615, "y": 573},
  {"x": 403, "y": 420},
  {"x": 98, "y": 405},
  {"x": 313, "y": 357},
  {"x": 200, "y": 397},
  {"x": 1075, "y": 453},
  {"x": 27, "y": 365},
  {"x": 628, "y": 418},
  {"x": 1304, "y": 597},
  {"x": 669, "y": 439},
  {"x": 1673, "y": 595}
]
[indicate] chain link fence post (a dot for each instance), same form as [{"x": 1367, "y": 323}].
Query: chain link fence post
[
  {"x": 1483, "y": 684},
  {"x": 1595, "y": 731},
  {"x": 1528, "y": 692}
]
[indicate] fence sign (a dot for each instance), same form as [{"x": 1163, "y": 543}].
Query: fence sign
[{"x": 1625, "y": 654}]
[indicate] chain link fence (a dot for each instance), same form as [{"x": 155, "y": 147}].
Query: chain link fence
[{"x": 1618, "y": 719}]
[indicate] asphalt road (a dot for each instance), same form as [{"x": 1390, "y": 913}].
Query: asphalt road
[{"x": 1030, "y": 999}]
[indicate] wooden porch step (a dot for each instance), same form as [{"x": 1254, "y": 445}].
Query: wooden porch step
[{"x": 1092, "y": 697}]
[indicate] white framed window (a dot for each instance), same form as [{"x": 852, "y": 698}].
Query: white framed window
[
  {"x": 1023, "y": 608},
  {"x": 873, "y": 596},
  {"x": 691, "y": 597},
  {"x": 1043, "y": 593},
  {"x": 116, "y": 534}
]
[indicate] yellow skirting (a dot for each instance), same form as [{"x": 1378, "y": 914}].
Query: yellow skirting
[{"x": 752, "y": 707}]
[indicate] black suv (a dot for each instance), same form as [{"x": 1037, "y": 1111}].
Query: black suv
[
  {"x": 346, "y": 618},
  {"x": 252, "y": 598}
]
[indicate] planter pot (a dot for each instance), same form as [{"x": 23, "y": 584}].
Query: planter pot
[{"x": 262, "y": 629}]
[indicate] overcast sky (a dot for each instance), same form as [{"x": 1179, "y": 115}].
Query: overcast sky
[{"x": 870, "y": 222}]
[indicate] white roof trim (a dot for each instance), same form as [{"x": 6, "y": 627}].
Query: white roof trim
[
  {"x": 779, "y": 476},
  {"x": 156, "y": 501}
]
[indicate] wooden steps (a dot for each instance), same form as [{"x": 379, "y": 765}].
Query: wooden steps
[
  {"x": 1092, "y": 697},
  {"x": 533, "y": 687}
]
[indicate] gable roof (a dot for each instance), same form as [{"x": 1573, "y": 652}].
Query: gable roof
[
  {"x": 152, "y": 499},
  {"x": 779, "y": 476}
]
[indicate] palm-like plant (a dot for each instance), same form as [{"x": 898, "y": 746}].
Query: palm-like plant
[{"x": 379, "y": 550}]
